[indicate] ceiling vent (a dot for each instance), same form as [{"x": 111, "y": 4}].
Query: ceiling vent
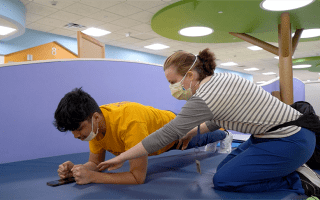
[
  {"x": 140, "y": 36},
  {"x": 73, "y": 25}
]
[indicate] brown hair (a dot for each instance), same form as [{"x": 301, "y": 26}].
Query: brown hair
[{"x": 182, "y": 61}]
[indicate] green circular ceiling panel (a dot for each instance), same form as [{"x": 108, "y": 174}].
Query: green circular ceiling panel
[
  {"x": 314, "y": 61},
  {"x": 240, "y": 16}
]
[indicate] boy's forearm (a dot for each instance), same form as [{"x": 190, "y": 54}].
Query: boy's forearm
[
  {"x": 116, "y": 178},
  {"x": 136, "y": 174}
]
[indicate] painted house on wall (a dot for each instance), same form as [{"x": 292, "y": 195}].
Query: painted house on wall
[{"x": 48, "y": 51}]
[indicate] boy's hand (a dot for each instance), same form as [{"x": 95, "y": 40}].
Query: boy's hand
[
  {"x": 64, "y": 170},
  {"x": 81, "y": 174}
]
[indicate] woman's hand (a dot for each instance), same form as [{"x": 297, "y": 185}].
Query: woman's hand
[
  {"x": 116, "y": 162},
  {"x": 184, "y": 141},
  {"x": 112, "y": 164}
]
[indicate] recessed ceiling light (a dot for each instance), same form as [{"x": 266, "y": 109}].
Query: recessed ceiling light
[
  {"x": 282, "y": 5},
  {"x": 269, "y": 73},
  {"x": 6, "y": 30},
  {"x": 156, "y": 46},
  {"x": 255, "y": 48},
  {"x": 96, "y": 32},
  {"x": 251, "y": 69},
  {"x": 229, "y": 64},
  {"x": 196, "y": 31},
  {"x": 301, "y": 66}
]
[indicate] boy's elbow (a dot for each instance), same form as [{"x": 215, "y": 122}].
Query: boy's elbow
[
  {"x": 139, "y": 179},
  {"x": 142, "y": 181}
]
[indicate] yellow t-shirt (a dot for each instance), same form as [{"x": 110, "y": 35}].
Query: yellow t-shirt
[{"x": 127, "y": 124}]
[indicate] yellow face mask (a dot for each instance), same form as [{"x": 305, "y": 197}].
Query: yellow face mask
[{"x": 177, "y": 89}]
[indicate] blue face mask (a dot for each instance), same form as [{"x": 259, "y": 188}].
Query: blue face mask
[{"x": 92, "y": 134}]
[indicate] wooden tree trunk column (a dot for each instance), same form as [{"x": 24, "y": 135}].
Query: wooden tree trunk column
[
  {"x": 287, "y": 46},
  {"x": 285, "y": 59}
]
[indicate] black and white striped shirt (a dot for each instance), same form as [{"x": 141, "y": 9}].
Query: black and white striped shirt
[{"x": 233, "y": 103}]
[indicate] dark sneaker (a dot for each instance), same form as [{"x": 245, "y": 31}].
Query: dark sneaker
[{"x": 310, "y": 181}]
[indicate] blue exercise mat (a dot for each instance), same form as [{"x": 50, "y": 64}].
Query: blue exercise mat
[{"x": 171, "y": 175}]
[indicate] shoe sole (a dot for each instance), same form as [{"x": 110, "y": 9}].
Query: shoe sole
[{"x": 310, "y": 174}]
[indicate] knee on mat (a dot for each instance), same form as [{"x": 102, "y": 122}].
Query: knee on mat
[{"x": 220, "y": 181}]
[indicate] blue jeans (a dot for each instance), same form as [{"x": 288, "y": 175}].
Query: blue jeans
[
  {"x": 204, "y": 139},
  {"x": 266, "y": 164}
]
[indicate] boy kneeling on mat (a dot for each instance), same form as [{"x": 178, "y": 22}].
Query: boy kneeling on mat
[{"x": 116, "y": 128}]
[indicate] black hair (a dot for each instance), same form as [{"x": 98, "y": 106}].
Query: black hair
[{"x": 74, "y": 108}]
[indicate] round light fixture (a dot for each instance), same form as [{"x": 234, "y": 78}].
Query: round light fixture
[
  {"x": 310, "y": 33},
  {"x": 6, "y": 30},
  {"x": 282, "y": 5},
  {"x": 301, "y": 66},
  {"x": 196, "y": 31}
]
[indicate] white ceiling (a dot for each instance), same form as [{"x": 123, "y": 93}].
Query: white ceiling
[{"x": 134, "y": 16}]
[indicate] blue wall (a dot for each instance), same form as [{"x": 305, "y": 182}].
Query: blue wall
[
  {"x": 33, "y": 38},
  {"x": 298, "y": 88},
  {"x": 30, "y": 95},
  {"x": 246, "y": 76}
]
